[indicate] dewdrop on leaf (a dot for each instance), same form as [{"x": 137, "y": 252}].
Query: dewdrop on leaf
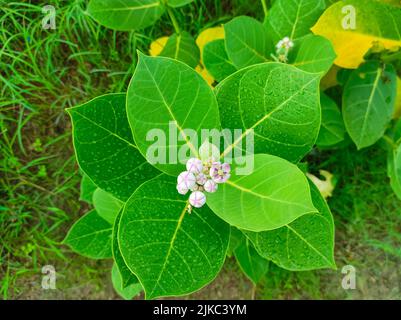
[{"x": 197, "y": 199}]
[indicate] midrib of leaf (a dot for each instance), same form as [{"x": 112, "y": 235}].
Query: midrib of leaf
[
  {"x": 307, "y": 242},
  {"x": 177, "y": 47},
  {"x": 142, "y": 7},
  {"x": 243, "y": 135},
  {"x": 173, "y": 238},
  {"x": 330, "y": 130},
  {"x": 250, "y": 48},
  {"x": 92, "y": 233},
  {"x": 105, "y": 129},
  {"x": 372, "y": 94},
  {"x": 296, "y": 21},
  {"x": 245, "y": 190},
  {"x": 190, "y": 145}
]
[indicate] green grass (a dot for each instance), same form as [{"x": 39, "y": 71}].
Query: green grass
[{"x": 44, "y": 71}]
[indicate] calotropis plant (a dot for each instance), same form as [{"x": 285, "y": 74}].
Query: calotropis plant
[
  {"x": 142, "y": 221},
  {"x": 270, "y": 80}
]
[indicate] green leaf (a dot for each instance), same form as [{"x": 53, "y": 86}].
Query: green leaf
[
  {"x": 247, "y": 42},
  {"x": 127, "y": 293},
  {"x": 104, "y": 146},
  {"x": 182, "y": 47},
  {"x": 250, "y": 262},
  {"x": 315, "y": 54},
  {"x": 126, "y": 15},
  {"x": 332, "y": 130},
  {"x": 171, "y": 251},
  {"x": 178, "y": 3},
  {"x": 127, "y": 277},
  {"x": 216, "y": 60},
  {"x": 87, "y": 189},
  {"x": 294, "y": 19},
  {"x": 305, "y": 244},
  {"x": 106, "y": 205},
  {"x": 394, "y": 170},
  {"x": 279, "y": 102},
  {"x": 369, "y": 102},
  {"x": 90, "y": 236},
  {"x": 164, "y": 90},
  {"x": 273, "y": 195},
  {"x": 236, "y": 238}
]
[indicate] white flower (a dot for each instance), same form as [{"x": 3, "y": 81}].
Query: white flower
[
  {"x": 194, "y": 165},
  {"x": 186, "y": 180},
  {"x": 285, "y": 43},
  {"x": 210, "y": 186},
  {"x": 197, "y": 199}
]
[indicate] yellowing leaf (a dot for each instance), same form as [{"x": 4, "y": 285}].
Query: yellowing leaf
[
  {"x": 205, "y": 75},
  {"x": 374, "y": 21},
  {"x": 326, "y": 187},
  {"x": 207, "y": 36},
  {"x": 156, "y": 47},
  {"x": 397, "y": 113}
]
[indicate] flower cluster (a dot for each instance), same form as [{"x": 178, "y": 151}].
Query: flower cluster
[
  {"x": 282, "y": 49},
  {"x": 201, "y": 177}
]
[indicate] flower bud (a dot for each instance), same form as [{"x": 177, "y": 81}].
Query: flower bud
[
  {"x": 197, "y": 199},
  {"x": 194, "y": 165},
  {"x": 186, "y": 180},
  {"x": 210, "y": 186},
  {"x": 182, "y": 190},
  {"x": 201, "y": 179}
]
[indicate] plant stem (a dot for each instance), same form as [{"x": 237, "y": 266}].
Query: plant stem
[
  {"x": 389, "y": 141},
  {"x": 264, "y": 5},
  {"x": 173, "y": 20},
  {"x": 391, "y": 57}
]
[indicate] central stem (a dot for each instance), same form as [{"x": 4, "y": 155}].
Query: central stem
[
  {"x": 264, "y": 5},
  {"x": 173, "y": 20}
]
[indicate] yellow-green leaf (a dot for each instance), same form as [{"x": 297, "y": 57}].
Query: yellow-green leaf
[{"x": 374, "y": 22}]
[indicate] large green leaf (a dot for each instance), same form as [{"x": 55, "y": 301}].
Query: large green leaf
[
  {"x": 182, "y": 47},
  {"x": 164, "y": 90},
  {"x": 216, "y": 60},
  {"x": 305, "y": 244},
  {"x": 394, "y": 170},
  {"x": 332, "y": 130},
  {"x": 127, "y": 277},
  {"x": 106, "y": 205},
  {"x": 126, "y": 15},
  {"x": 90, "y": 236},
  {"x": 251, "y": 263},
  {"x": 178, "y": 3},
  {"x": 279, "y": 102},
  {"x": 369, "y": 102},
  {"x": 247, "y": 42},
  {"x": 315, "y": 54},
  {"x": 87, "y": 189},
  {"x": 273, "y": 195},
  {"x": 128, "y": 292},
  {"x": 293, "y": 18},
  {"x": 104, "y": 146},
  {"x": 171, "y": 251}
]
